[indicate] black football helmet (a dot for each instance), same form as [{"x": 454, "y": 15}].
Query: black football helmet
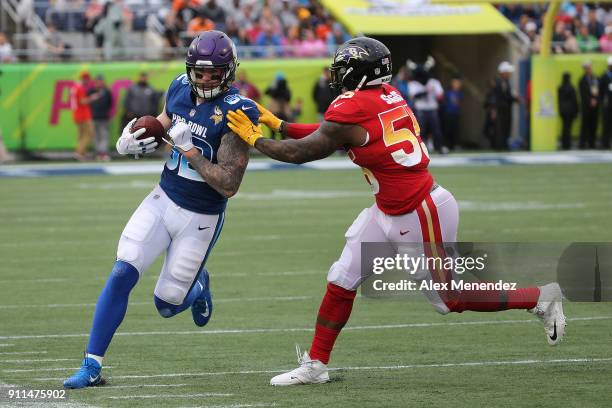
[{"x": 360, "y": 62}]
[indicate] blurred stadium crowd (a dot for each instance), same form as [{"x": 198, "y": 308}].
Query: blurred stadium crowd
[
  {"x": 90, "y": 30},
  {"x": 262, "y": 28},
  {"x": 118, "y": 29},
  {"x": 579, "y": 27}
]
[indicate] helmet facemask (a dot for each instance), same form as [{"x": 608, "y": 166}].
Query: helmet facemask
[
  {"x": 336, "y": 73},
  {"x": 221, "y": 77}
]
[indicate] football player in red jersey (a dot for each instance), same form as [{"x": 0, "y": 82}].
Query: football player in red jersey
[{"x": 373, "y": 123}]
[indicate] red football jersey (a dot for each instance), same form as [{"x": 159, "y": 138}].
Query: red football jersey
[{"x": 394, "y": 159}]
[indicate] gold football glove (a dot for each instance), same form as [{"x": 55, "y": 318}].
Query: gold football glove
[
  {"x": 268, "y": 118},
  {"x": 241, "y": 125}
]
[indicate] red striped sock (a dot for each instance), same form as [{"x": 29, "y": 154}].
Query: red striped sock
[
  {"x": 333, "y": 314},
  {"x": 523, "y": 298},
  {"x": 495, "y": 300}
]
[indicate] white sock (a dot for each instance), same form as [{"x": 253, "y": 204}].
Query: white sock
[{"x": 94, "y": 357}]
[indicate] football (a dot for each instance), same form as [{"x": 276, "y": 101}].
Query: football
[{"x": 153, "y": 126}]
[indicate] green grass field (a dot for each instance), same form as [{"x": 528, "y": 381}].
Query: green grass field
[{"x": 58, "y": 237}]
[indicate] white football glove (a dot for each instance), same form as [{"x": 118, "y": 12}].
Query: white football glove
[
  {"x": 129, "y": 144},
  {"x": 181, "y": 136}
]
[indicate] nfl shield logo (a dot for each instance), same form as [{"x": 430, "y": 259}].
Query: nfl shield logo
[{"x": 192, "y": 113}]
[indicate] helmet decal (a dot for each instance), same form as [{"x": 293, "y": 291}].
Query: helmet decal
[{"x": 353, "y": 52}]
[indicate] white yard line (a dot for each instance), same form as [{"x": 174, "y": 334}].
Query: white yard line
[
  {"x": 262, "y": 299},
  {"x": 31, "y": 370},
  {"x": 301, "y": 329},
  {"x": 147, "y": 386},
  {"x": 478, "y": 364},
  {"x": 321, "y": 272},
  {"x": 358, "y": 368},
  {"x": 164, "y": 396},
  {"x": 234, "y": 406},
  {"x": 277, "y": 194},
  {"x": 17, "y": 353},
  {"x": 41, "y": 280},
  {"x": 516, "y": 206},
  {"x": 226, "y": 300},
  {"x": 42, "y": 360}
]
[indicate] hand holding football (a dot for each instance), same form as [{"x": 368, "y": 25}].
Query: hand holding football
[{"x": 153, "y": 127}]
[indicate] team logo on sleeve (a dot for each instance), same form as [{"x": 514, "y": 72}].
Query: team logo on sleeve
[
  {"x": 192, "y": 113},
  {"x": 217, "y": 117}
]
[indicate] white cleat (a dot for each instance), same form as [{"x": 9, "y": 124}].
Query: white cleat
[
  {"x": 550, "y": 310},
  {"x": 309, "y": 372}
]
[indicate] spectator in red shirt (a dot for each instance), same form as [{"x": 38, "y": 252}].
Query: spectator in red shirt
[
  {"x": 247, "y": 88},
  {"x": 81, "y": 114}
]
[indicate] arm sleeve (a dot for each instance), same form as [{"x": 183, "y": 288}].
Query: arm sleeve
[{"x": 299, "y": 130}]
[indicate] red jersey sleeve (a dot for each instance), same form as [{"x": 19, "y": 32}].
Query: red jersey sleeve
[
  {"x": 345, "y": 109},
  {"x": 300, "y": 130}
]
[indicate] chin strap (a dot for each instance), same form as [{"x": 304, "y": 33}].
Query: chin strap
[{"x": 361, "y": 83}]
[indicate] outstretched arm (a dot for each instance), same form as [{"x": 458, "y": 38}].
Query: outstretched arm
[
  {"x": 318, "y": 145},
  {"x": 297, "y": 130},
  {"x": 291, "y": 130},
  {"x": 327, "y": 139}
]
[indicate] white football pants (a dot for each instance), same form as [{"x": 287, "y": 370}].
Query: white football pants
[
  {"x": 435, "y": 220},
  {"x": 159, "y": 225}
]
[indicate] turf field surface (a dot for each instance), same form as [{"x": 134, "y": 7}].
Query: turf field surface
[{"x": 58, "y": 238}]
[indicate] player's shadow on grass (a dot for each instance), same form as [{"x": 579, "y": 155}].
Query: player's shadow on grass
[{"x": 337, "y": 378}]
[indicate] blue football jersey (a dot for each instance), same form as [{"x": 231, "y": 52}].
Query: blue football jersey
[{"x": 208, "y": 124}]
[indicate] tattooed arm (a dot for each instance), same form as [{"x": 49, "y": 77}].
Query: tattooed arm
[
  {"x": 330, "y": 137},
  {"x": 224, "y": 176}
]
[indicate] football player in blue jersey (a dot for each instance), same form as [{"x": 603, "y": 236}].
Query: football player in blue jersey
[{"x": 184, "y": 214}]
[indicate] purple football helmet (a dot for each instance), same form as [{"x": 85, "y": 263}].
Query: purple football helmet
[{"x": 211, "y": 50}]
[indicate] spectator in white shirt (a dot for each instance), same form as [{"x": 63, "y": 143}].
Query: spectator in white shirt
[
  {"x": 6, "y": 50},
  {"x": 427, "y": 92}
]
